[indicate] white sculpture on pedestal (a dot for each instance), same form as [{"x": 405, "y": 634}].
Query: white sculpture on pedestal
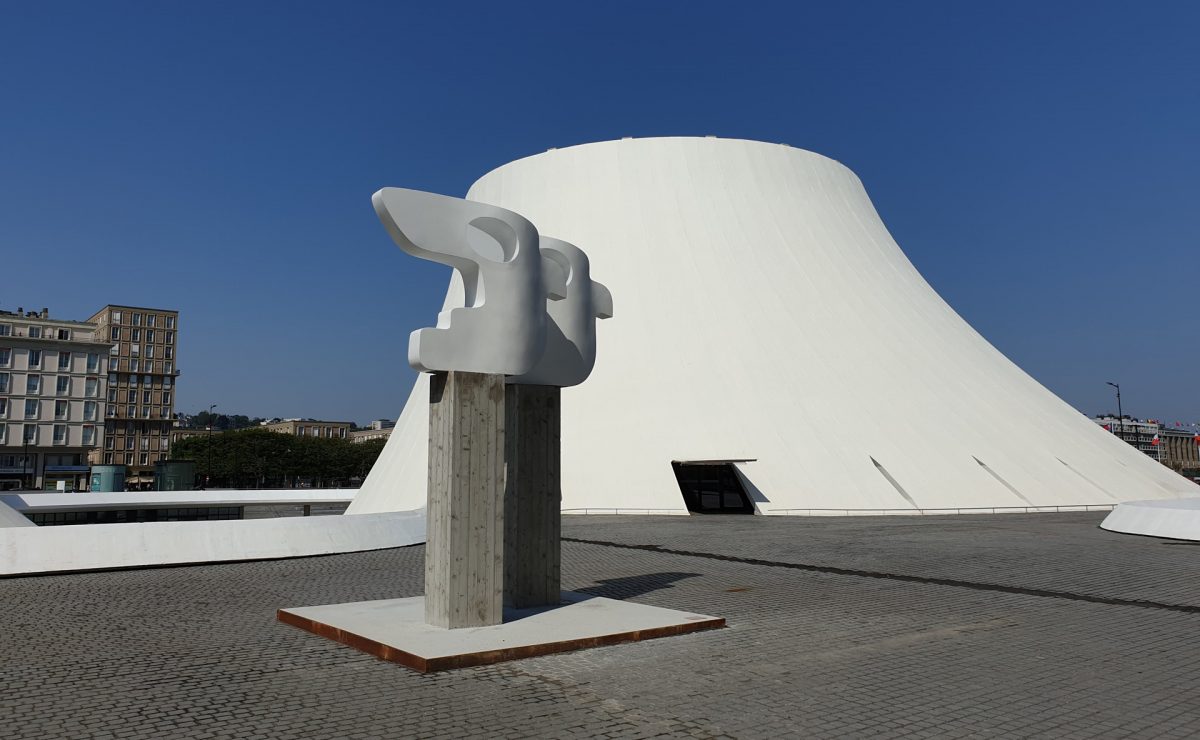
[{"x": 530, "y": 302}]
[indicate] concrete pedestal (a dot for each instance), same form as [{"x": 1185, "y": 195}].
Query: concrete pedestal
[
  {"x": 464, "y": 550},
  {"x": 532, "y": 496},
  {"x": 395, "y": 629}
]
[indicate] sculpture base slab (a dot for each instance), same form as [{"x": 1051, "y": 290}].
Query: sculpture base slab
[{"x": 395, "y": 629}]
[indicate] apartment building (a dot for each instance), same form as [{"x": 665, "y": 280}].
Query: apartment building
[
  {"x": 52, "y": 386},
  {"x": 309, "y": 428},
  {"x": 140, "y": 398}
]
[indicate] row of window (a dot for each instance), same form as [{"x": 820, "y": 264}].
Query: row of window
[
  {"x": 62, "y": 409},
  {"x": 38, "y": 332},
  {"x": 142, "y": 350},
  {"x": 62, "y": 385},
  {"x": 35, "y": 357},
  {"x": 131, "y": 396},
  {"x": 144, "y": 458},
  {"x": 131, "y": 443},
  {"x": 124, "y": 379},
  {"x": 328, "y": 432},
  {"x": 135, "y": 319},
  {"x": 114, "y": 426},
  {"x": 135, "y": 364},
  {"x": 137, "y": 412},
  {"x": 30, "y": 434},
  {"x": 116, "y": 334}
]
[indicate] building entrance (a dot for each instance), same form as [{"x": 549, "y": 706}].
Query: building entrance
[{"x": 712, "y": 487}]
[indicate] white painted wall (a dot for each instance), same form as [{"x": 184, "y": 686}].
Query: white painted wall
[{"x": 764, "y": 312}]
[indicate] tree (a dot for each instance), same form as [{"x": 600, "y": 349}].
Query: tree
[{"x": 257, "y": 458}]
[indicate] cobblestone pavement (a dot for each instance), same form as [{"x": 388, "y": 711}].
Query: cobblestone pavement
[{"x": 975, "y": 626}]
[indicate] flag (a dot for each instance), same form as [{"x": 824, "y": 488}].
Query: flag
[
  {"x": 1154, "y": 442},
  {"x": 1196, "y": 439},
  {"x": 1108, "y": 428}
]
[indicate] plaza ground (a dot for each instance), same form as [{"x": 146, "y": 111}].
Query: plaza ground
[{"x": 965, "y": 626}]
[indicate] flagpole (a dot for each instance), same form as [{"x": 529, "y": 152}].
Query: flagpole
[{"x": 1120, "y": 414}]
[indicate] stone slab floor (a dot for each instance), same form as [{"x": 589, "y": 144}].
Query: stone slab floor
[{"x": 966, "y": 626}]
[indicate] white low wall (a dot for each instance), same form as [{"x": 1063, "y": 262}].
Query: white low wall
[
  {"x": 35, "y": 501},
  {"x": 1176, "y": 520},
  {"x": 29, "y": 550}
]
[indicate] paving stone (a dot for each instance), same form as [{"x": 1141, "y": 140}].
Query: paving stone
[{"x": 966, "y": 626}]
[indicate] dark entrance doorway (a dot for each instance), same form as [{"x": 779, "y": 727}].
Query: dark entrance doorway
[{"x": 711, "y": 488}]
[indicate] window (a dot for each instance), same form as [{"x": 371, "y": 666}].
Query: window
[
  {"x": 165, "y": 443},
  {"x": 35, "y": 358},
  {"x": 5, "y": 330},
  {"x": 131, "y": 396},
  {"x": 108, "y": 458},
  {"x": 168, "y": 366},
  {"x": 113, "y": 364},
  {"x": 64, "y": 335},
  {"x": 143, "y": 458},
  {"x": 5, "y": 357},
  {"x": 146, "y": 380},
  {"x": 89, "y": 410},
  {"x": 137, "y": 319},
  {"x": 145, "y": 412},
  {"x": 145, "y": 443},
  {"x": 146, "y": 396},
  {"x": 131, "y": 412},
  {"x": 32, "y": 408},
  {"x": 64, "y": 360},
  {"x": 3, "y": 408},
  {"x": 115, "y": 316},
  {"x": 4, "y": 436},
  {"x": 114, "y": 334},
  {"x": 168, "y": 353},
  {"x": 112, "y": 379},
  {"x": 93, "y": 362},
  {"x": 62, "y": 385},
  {"x": 33, "y": 385},
  {"x": 166, "y": 398},
  {"x": 129, "y": 443},
  {"x": 149, "y": 335},
  {"x": 136, "y": 334},
  {"x": 170, "y": 337},
  {"x": 35, "y": 332},
  {"x": 135, "y": 349},
  {"x": 61, "y": 409},
  {"x": 110, "y": 410},
  {"x": 112, "y": 395},
  {"x": 29, "y": 434},
  {"x": 91, "y": 387},
  {"x": 4, "y": 377},
  {"x": 114, "y": 349},
  {"x": 60, "y": 434},
  {"x": 108, "y": 442},
  {"x": 149, "y": 352},
  {"x": 135, "y": 365},
  {"x": 129, "y": 458},
  {"x": 89, "y": 436},
  {"x": 166, "y": 381},
  {"x": 170, "y": 325},
  {"x": 150, "y": 319}
]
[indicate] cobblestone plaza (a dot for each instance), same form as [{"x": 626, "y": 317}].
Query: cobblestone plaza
[{"x": 1000, "y": 625}]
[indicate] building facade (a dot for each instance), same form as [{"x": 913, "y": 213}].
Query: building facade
[
  {"x": 365, "y": 435},
  {"x": 52, "y": 389},
  {"x": 310, "y": 428},
  {"x": 140, "y": 398}
]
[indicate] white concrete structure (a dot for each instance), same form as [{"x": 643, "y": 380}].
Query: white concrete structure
[
  {"x": 769, "y": 317},
  {"x": 1172, "y": 519}
]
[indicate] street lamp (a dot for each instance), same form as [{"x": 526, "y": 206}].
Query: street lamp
[
  {"x": 208, "y": 472},
  {"x": 1120, "y": 414}
]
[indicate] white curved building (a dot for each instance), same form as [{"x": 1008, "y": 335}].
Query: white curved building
[{"x": 766, "y": 320}]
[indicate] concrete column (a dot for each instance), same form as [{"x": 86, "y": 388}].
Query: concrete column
[
  {"x": 532, "y": 496},
  {"x": 464, "y": 550}
]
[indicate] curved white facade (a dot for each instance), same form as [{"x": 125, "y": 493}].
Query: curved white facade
[{"x": 766, "y": 314}]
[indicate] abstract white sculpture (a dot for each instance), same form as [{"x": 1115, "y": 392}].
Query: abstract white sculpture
[
  {"x": 570, "y": 351},
  {"x": 508, "y": 273},
  {"x": 502, "y": 328}
]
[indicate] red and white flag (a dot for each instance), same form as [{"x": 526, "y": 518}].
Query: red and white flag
[{"x": 1154, "y": 441}]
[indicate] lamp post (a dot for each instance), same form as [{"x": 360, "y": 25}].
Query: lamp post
[
  {"x": 25, "y": 461},
  {"x": 1120, "y": 414},
  {"x": 208, "y": 471}
]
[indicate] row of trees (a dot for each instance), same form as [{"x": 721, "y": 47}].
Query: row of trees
[{"x": 257, "y": 458}]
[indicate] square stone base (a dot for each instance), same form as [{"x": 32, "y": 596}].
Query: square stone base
[{"x": 395, "y": 629}]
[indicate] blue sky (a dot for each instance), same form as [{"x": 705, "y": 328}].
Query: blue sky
[{"x": 1037, "y": 161}]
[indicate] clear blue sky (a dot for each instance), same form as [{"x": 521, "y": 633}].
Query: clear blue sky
[{"x": 1037, "y": 161}]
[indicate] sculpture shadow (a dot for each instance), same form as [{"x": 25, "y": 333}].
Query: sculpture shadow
[{"x": 630, "y": 586}]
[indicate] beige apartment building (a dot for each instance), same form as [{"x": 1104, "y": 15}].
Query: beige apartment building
[
  {"x": 52, "y": 387},
  {"x": 309, "y": 428},
  {"x": 140, "y": 398}
]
